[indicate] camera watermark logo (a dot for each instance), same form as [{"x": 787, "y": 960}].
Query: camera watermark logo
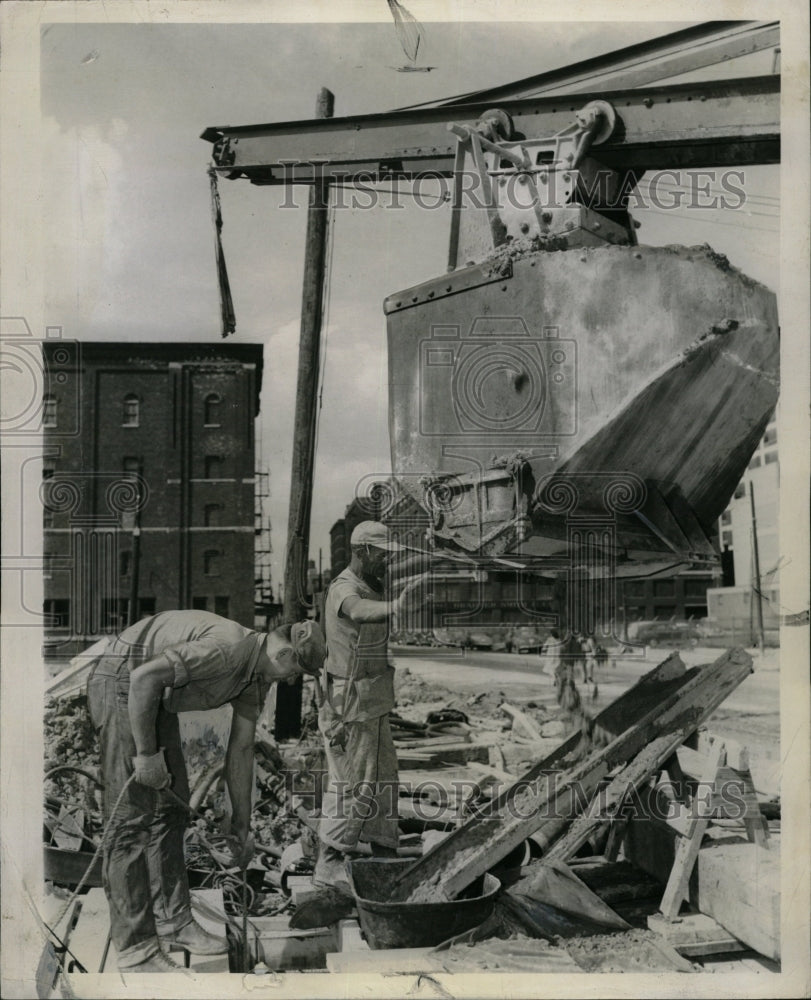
[
  {"x": 497, "y": 380},
  {"x": 41, "y": 390}
]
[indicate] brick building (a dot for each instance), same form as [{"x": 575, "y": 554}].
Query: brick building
[{"x": 148, "y": 485}]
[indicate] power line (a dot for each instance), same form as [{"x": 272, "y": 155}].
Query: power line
[
  {"x": 711, "y": 222},
  {"x": 700, "y": 208},
  {"x": 765, "y": 199}
]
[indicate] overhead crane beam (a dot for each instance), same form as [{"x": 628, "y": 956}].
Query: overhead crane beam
[{"x": 716, "y": 123}]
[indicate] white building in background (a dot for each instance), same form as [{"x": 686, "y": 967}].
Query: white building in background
[{"x": 734, "y": 605}]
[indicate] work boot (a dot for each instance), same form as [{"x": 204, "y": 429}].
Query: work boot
[
  {"x": 330, "y": 868},
  {"x": 159, "y": 962},
  {"x": 195, "y": 939}
]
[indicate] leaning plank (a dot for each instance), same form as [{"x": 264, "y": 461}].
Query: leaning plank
[
  {"x": 688, "y": 846},
  {"x": 605, "y": 805},
  {"x": 522, "y": 721},
  {"x": 559, "y": 796}
]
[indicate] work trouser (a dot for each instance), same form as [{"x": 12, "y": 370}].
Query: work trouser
[
  {"x": 360, "y": 801},
  {"x": 143, "y": 868}
]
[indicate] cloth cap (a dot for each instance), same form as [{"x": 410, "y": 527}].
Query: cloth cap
[
  {"x": 309, "y": 645},
  {"x": 374, "y": 533}
]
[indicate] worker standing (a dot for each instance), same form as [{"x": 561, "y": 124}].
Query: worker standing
[
  {"x": 589, "y": 647},
  {"x": 551, "y": 655},
  {"x": 360, "y": 801},
  {"x": 174, "y": 662}
]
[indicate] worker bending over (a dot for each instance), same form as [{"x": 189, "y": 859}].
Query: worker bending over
[
  {"x": 177, "y": 661},
  {"x": 360, "y": 801}
]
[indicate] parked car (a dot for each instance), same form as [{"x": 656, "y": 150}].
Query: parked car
[
  {"x": 655, "y": 633},
  {"x": 527, "y": 640}
]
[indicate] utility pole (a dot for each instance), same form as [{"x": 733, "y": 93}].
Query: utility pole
[
  {"x": 135, "y": 569},
  {"x": 288, "y": 697},
  {"x": 756, "y": 594}
]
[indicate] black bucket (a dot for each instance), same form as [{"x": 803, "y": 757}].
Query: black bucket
[{"x": 414, "y": 925}]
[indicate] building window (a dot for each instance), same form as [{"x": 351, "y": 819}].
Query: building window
[
  {"x": 57, "y": 613},
  {"x": 211, "y": 514},
  {"x": 114, "y": 614},
  {"x": 211, "y": 562},
  {"x": 49, "y": 411},
  {"x": 770, "y": 437},
  {"x": 726, "y": 517},
  {"x": 199, "y": 603},
  {"x": 663, "y": 588},
  {"x": 125, "y": 563},
  {"x": 740, "y": 491},
  {"x": 213, "y": 467},
  {"x": 771, "y": 458},
  {"x": 695, "y": 587},
  {"x": 634, "y": 588},
  {"x": 726, "y": 538},
  {"x": 212, "y": 409},
  {"x": 755, "y": 463},
  {"x": 146, "y": 607},
  {"x": 221, "y": 606},
  {"x": 131, "y": 416}
]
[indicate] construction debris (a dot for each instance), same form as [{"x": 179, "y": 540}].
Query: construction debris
[
  {"x": 463, "y": 811},
  {"x": 666, "y": 706}
]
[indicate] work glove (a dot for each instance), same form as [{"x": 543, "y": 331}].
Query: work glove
[
  {"x": 150, "y": 770},
  {"x": 237, "y": 853}
]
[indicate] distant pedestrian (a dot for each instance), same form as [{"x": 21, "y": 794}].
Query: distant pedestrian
[
  {"x": 589, "y": 647},
  {"x": 551, "y": 655}
]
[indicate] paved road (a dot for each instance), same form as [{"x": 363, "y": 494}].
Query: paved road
[{"x": 750, "y": 715}]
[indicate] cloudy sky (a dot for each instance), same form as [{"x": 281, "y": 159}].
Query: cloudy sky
[{"x": 129, "y": 244}]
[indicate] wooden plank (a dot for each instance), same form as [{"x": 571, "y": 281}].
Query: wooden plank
[
  {"x": 441, "y": 754},
  {"x": 688, "y": 846},
  {"x": 554, "y": 799},
  {"x": 695, "y": 934},
  {"x": 605, "y": 805},
  {"x": 69, "y": 867},
  {"x": 350, "y": 937},
  {"x": 522, "y": 721},
  {"x": 739, "y": 885},
  {"x": 387, "y": 962}
]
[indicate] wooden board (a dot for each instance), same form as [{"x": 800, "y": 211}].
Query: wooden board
[
  {"x": 695, "y": 934},
  {"x": 734, "y": 881},
  {"x": 393, "y": 961},
  {"x": 739, "y": 885}
]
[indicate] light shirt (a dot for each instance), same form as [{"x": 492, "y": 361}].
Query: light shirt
[
  {"x": 214, "y": 659},
  {"x": 341, "y": 632}
]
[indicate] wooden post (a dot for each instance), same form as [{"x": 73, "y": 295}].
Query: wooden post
[
  {"x": 288, "y": 697},
  {"x": 756, "y": 594}
]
